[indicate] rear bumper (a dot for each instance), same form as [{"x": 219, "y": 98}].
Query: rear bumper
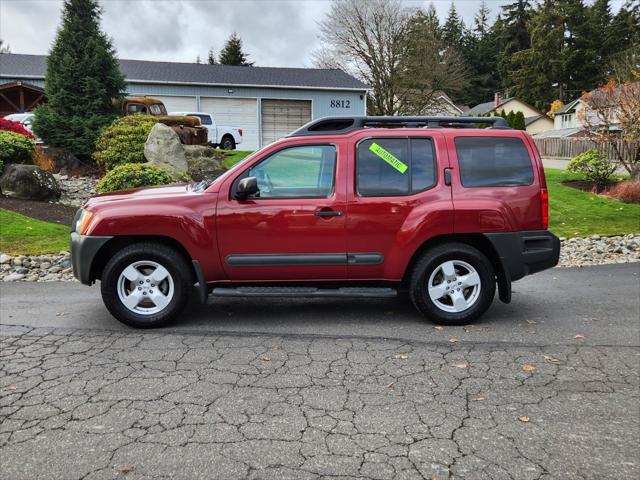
[
  {"x": 524, "y": 253},
  {"x": 83, "y": 251}
]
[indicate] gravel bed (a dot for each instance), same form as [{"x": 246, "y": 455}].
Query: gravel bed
[
  {"x": 75, "y": 190},
  {"x": 575, "y": 252}
]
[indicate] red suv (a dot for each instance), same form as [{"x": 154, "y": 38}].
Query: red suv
[{"x": 346, "y": 207}]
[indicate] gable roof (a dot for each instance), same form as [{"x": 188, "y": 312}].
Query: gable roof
[
  {"x": 13, "y": 65},
  {"x": 480, "y": 109},
  {"x": 568, "y": 107},
  {"x": 529, "y": 120}
]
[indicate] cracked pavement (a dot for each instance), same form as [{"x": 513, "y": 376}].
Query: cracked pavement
[{"x": 516, "y": 396}]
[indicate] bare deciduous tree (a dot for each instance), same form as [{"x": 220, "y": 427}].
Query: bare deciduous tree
[{"x": 368, "y": 38}]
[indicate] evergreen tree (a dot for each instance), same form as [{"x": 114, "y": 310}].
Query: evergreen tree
[
  {"x": 453, "y": 30},
  {"x": 519, "y": 121},
  {"x": 513, "y": 36},
  {"x": 198, "y": 60},
  {"x": 481, "y": 20},
  {"x": 232, "y": 53},
  {"x": 82, "y": 81},
  {"x": 211, "y": 59},
  {"x": 511, "y": 116}
]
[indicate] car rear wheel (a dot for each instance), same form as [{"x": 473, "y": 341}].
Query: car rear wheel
[
  {"x": 453, "y": 284},
  {"x": 146, "y": 285},
  {"x": 227, "y": 143}
]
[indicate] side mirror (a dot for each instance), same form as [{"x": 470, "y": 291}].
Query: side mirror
[{"x": 246, "y": 187}]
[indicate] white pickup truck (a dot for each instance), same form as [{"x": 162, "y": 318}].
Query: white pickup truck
[{"x": 223, "y": 136}]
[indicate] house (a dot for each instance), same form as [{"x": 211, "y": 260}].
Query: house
[
  {"x": 442, "y": 105},
  {"x": 266, "y": 102},
  {"x": 535, "y": 120}
]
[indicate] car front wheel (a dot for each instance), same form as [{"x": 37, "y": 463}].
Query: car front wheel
[
  {"x": 453, "y": 284},
  {"x": 146, "y": 285}
]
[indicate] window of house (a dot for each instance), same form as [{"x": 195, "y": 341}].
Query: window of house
[
  {"x": 395, "y": 166},
  {"x": 493, "y": 162}
]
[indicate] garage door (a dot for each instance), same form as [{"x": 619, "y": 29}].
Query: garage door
[
  {"x": 237, "y": 112},
  {"x": 281, "y": 117},
  {"x": 175, "y": 103}
]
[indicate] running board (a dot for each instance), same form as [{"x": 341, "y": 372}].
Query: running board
[{"x": 363, "y": 292}]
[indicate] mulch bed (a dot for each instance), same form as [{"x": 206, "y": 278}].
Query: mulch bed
[
  {"x": 587, "y": 186},
  {"x": 49, "y": 212}
]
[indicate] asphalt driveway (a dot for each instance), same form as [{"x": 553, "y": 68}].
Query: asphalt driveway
[{"x": 546, "y": 387}]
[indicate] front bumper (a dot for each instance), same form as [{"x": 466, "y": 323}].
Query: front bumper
[
  {"x": 83, "y": 251},
  {"x": 524, "y": 253}
]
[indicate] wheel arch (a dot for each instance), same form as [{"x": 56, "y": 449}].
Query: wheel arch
[
  {"x": 230, "y": 136},
  {"x": 118, "y": 242},
  {"x": 478, "y": 241}
]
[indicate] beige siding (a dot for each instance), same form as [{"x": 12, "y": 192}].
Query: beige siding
[
  {"x": 281, "y": 117},
  {"x": 541, "y": 125},
  {"x": 518, "y": 106}
]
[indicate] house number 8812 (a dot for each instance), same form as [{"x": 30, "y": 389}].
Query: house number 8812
[{"x": 340, "y": 103}]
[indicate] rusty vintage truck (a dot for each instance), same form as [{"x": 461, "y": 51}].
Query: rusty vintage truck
[{"x": 188, "y": 128}]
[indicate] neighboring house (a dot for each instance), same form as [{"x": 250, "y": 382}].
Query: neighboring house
[
  {"x": 267, "y": 103},
  {"x": 442, "y": 105},
  {"x": 575, "y": 115},
  {"x": 535, "y": 120}
]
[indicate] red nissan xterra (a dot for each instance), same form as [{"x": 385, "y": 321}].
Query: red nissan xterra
[{"x": 345, "y": 207}]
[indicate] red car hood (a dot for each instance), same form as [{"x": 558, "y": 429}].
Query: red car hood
[{"x": 140, "y": 193}]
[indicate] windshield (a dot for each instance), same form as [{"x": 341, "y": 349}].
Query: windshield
[
  {"x": 205, "y": 184},
  {"x": 158, "y": 109}
]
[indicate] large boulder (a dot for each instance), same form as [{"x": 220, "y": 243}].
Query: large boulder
[
  {"x": 29, "y": 182},
  {"x": 163, "y": 149},
  {"x": 204, "y": 161}
]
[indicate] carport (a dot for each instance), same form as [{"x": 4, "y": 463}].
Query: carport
[{"x": 20, "y": 97}]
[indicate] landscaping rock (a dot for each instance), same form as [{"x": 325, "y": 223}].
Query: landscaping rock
[
  {"x": 204, "y": 162},
  {"x": 13, "y": 277},
  {"x": 29, "y": 182},
  {"x": 163, "y": 149},
  {"x": 75, "y": 190}
]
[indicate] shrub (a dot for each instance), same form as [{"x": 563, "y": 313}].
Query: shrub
[
  {"x": 16, "y": 127},
  {"x": 626, "y": 192},
  {"x": 1, "y": 166},
  {"x": 595, "y": 166},
  {"x": 16, "y": 148},
  {"x": 133, "y": 175},
  {"x": 123, "y": 141}
]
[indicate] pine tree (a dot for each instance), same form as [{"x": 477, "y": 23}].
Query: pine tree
[
  {"x": 513, "y": 36},
  {"x": 481, "y": 20},
  {"x": 453, "y": 29},
  {"x": 519, "y": 121},
  {"x": 82, "y": 81},
  {"x": 198, "y": 60},
  {"x": 211, "y": 59},
  {"x": 511, "y": 117},
  {"x": 232, "y": 53}
]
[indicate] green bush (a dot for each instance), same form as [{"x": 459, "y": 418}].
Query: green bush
[
  {"x": 123, "y": 141},
  {"x": 16, "y": 148},
  {"x": 595, "y": 167},
  {"x": 133, "y": 175}
]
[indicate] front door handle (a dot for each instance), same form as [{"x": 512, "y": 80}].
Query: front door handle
[{"x": 328, "y": 213}]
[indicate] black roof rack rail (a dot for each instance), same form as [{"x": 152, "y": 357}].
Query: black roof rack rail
[{"x": 340, "y": 125}]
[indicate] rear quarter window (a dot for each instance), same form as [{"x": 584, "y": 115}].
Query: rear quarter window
[{"x": 493, "y": 162}]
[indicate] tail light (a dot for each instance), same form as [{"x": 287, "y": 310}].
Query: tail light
[
  {"x": 544, "y": 206},
  {"x": 240, "y": 131}
]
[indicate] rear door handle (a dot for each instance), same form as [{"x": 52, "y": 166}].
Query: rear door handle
[{"x": 328, "y": 213}]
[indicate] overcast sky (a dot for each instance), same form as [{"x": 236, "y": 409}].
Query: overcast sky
[{"x": 274, "y": 32}]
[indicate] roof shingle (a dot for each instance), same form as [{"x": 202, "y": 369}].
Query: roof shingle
[{"x": 14, "y": 65}]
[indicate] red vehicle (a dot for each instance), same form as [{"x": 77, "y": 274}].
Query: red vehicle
[{"x": 358, "y": 207}]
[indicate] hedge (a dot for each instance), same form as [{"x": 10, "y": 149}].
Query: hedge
[
  {"x": 16, "y": 148},
  {"x": 123, "y": 141},
  {"x": 133, "y": 175}
]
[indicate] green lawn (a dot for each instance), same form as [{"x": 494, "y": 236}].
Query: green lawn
[
  {"x": 28, "y": 236},
  {"x": 574, "y": 213},
  {"x": 234, "y": 156}
]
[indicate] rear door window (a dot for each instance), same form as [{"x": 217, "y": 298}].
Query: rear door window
[
  {"x": 395, "y": 166},
  {"x": 493, "y": 162}
]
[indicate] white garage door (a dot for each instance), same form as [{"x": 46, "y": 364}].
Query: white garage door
[
  {"x": 281, "y": 117},
  {"x": 236, "y": 112},
  {"x": 175, "y": 103}
]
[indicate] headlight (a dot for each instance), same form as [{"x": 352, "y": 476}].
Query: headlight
[{"x": 82, "y": 222}]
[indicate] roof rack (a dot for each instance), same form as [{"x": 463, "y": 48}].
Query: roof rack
[{"x": 341, "y": 125}]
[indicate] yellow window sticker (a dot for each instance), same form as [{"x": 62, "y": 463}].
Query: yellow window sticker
[{"x": 388, "y": 157}]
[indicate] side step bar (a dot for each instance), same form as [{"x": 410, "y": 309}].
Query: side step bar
[{"x": 363, "y": 292}]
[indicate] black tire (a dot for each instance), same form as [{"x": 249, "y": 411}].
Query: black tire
[
  {"x": 430, "y": 261},
  {"x": 227, "y": 143},
  {"x": 179, "y": 270}
]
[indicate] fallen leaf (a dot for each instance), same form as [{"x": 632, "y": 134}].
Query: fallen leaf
[
  {"x": 531, "y": 322},
  {"x": 439, "y": 328},
  {"x": 523, "y": 418},
  {"x": 467, "y": 328},
  {"x": 11, "y": 388},
  {"x": 391, "y": 385},
  {"x": 528, "y": 367},
  {"x": 551, "y": 359},
  {"x": 579, "y": 337},
  {"x": 402, "y": 356},
  {"x": 454, "y": 340},
  {"x": 126, "y": 469},
  {"x": 265, "y": 358},
  {"x": 460, "y": 365},
  {"x": 478, "y": 398}
]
